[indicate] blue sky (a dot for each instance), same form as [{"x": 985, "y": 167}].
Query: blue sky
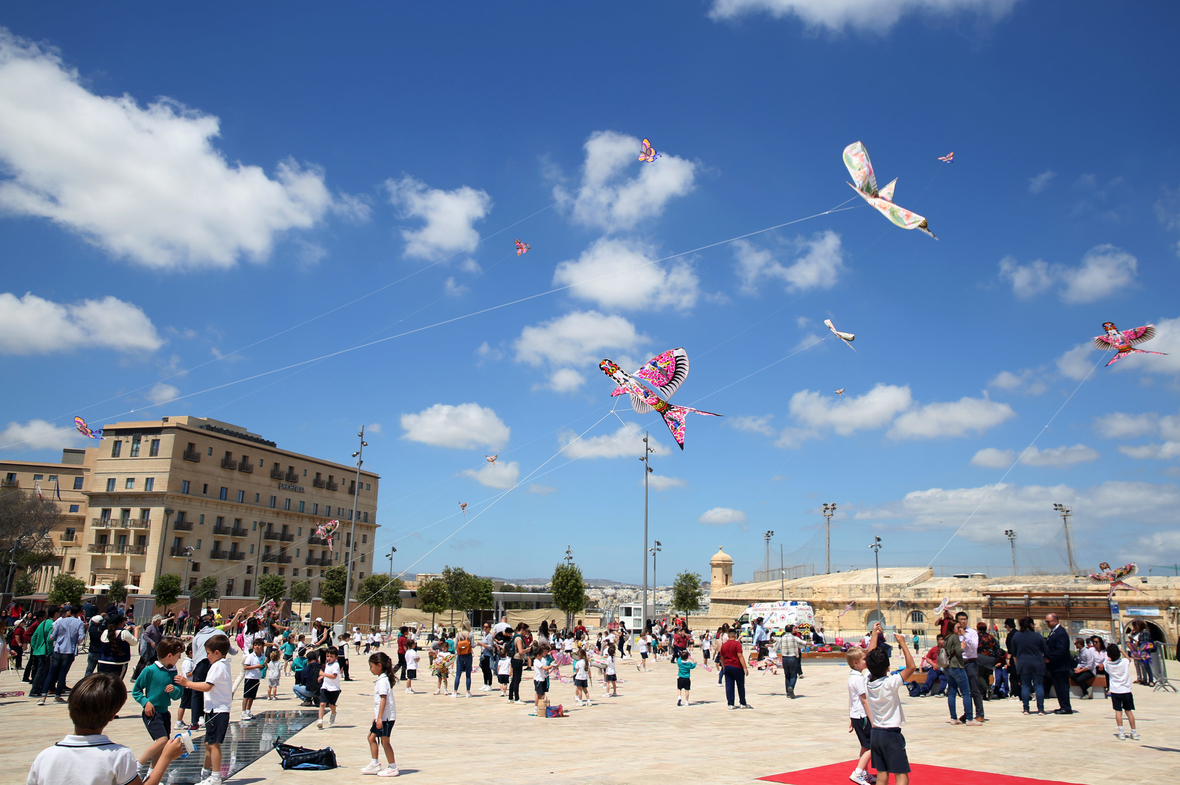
[{"x": 176, "y": 185}]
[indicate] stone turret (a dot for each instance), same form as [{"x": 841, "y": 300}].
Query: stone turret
[{"x": 721, "y": 568}]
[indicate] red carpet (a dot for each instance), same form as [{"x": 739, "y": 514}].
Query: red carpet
[{"x": 837, "y": 774}]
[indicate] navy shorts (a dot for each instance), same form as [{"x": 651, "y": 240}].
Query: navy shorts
[
  {"x": 411, "y": 675},
  {"x": 861, "y": 727},
  {"x": 328, "y": 697},
  {"x": 888, "y": 746},
  {"x": 683, "y": 683},
  {"x": 611, "y": 677},
  {"x": 540, "y": 687},
  {"x": 643, "y": 654},
  {"x": 250, "y": 690},
  {"x": 159, "y": 725},
  {"x": 582, "y": 683},
  {"x": 1122, "y": 701},
  {"x": 186, "y": 698},
  {"x": 502, "y": 678},
  {"x": 385, "y": 729},
  {"x": 215, "y": 727}
]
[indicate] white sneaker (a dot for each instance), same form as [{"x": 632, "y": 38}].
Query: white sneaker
[
  {"x": 390, "y": 771},
  {"x": 332, "y": 718},
  {"x": 859, "y": 778},
  {"x": 372, "y": 768},
  {"x": 1121, "y": 734},
  {"x": 409, "y": 691},
  {"x": 454, "y": 695},
  {"x": 320, "y": 723},
  {"x": 181, "y": 725},
  {"x": 1135, "y": 735},
  {"x": 245, "y": 715}
]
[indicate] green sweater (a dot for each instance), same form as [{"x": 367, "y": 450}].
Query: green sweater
[
  {"x": 150, "y": 686},
  {"x": 41, "y": 644}
]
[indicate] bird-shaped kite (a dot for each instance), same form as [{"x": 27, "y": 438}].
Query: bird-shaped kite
[
  {"x": 947, "y": 159},
  {"x": 847, "y": 607},
  {"x": 84, "y": 429},
  {"x": 522, "y": 248},
  {"x": 648, "y": 153},
  {"x": 492, "y": 458},
  {"x": 847, "y": 338},
  {"x": 667, "y": 372},
  {"x": 463, "y": 507},
  {"x": 326, "y": 530},
  {"x": 265, "y": 608},
  {"x": 1115, "y": 577},
  {"x": 840, "y": 391},
  {"x": 856, "y": 158},
  {"x": 946, "y": 604},
  {"x": 1123, "y": 343}
]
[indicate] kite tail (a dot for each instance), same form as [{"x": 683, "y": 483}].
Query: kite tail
[{"x": 674, "y": 417}]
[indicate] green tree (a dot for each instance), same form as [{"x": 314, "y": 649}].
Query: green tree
[
  {"x": 480, "y": 593},
  {"x": 206, "y": 590},
  {"x": 24, "y": 585},
  {"x": 271, "y": 587},
  {"x": 66, "y": 588},
  {"x": 686, "y": 592},
  {"x": 458, "y": 582},
  {"x": 569, "y": 590},
  {"x": 432, "y": 597},
  {"x": 118, "y": 592},
  {"x": 301, "y": 591},
  {"x": 167, "y": 589},
  {"x": 332, "y": 586}
]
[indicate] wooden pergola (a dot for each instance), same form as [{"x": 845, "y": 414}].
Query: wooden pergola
[{"x": 1074, "y": 605}]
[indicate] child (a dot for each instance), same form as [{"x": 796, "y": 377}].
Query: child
[
  {"x": 87, "y": 757},
  {"x": 274, "y": 672},
  {"x": 329, "y": 686},
  {"x": 642, "y": 653},
  {"x": 218, "y": 689},
  {"x": 441, "y": 671},
  {"x": 885, "y": 740},
  {"x": 154, "y": 691},
  {"x": 186, "y": 695},
  {"x": 684, "y": 666},
  {"x": 342, "y": 658},
  {"x": 503, "y": 674},
  {"x": 541, "y": 669},
  {"x": 1118, "y": 678},
  {"x": 252, "y": 667},
  {"x": 610, "y": 676},
  {"x": 858, "y": 714},
  {"x": 582, "y": 677},
  {"x": 288, "y": 649},
  {"x": 412, "y": 658},
  {"x": 384, "y": 715}
]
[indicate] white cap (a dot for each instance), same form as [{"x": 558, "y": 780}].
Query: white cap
[{"x": 317, "y": 618}]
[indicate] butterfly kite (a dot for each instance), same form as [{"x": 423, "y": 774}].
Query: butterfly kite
[
  {"x": 840, "y": 391},
  {"x": 947, "y": 159},
  {"x": 84, "y": 429},
  {"x": 667, "y": 372},
  {"x": 1115, "y": 577},
  {"x": 847, "y": 338},
  {"x": 265, "y": 608},
  {"x": 648, "y": 153},
  {"x": 326, "y": 530},
  {"x": 522, "y": 248},
  {"x": 856, "y": 158},
  {"x": 1123, "y": 343},
  {"x": 492, "y": 458},
  {"x": 463, "y": 507},
  {"x": 847, "y": 607},
  {"x": 946, "y": 604}
]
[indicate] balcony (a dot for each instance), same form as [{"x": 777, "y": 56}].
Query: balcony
[
  {"x": 277, "y": 474},
  {"x": 281, "y": 536},
  {"x": 182, "y": 526},
  {"x": 137, "y": 523},
  {"x": 191, "y": 455},
  {"x": 229, "y": 463},
  {"x": 333, "y": 486},
  {"x": 180, "y": 553},
  {"x": 237, "y": 555},
  {"x": 352, "y": 490},
  {"x": 68, "y": 538},
  {"x": 130, "y": 550},
  {"x": 315, "y": 561},
  {"x": 276, "y": 558},
  {"x": 291, "y": 476},
  {"x": 7, "y": 483},
  {"x": 314, "y": 540},
  {"x": 219, "y": 555},
  {"x": 246, "y": 466},
  {"x": 317, "y": 482}
]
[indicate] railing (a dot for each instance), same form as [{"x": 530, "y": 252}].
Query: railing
[
  {"x": 291, "y": 476},
  {"x": 180, "y": 552},
  {"x": 237, "y": 555},
  {"x": 246, "y": 466},
  {"x": 333, "y": 486},
  {"x": 137, "y": 523},
  {"x": 317, "y": 482},
  {"x": 182, "y": 526},
  {"x": 784, "y": 573},
  {"x": 315, "y": 561},
  {"x": 130, "y": 550},
  {"x": 282, "y": 536},
  {"x": 7, "y": 483},
  {"x": 276, "y": 558},
  {"x": 238, "y": 531},
  {"x": 352, "y": 490},
  {"x": 67, "y": 538},
  {"x": 277, "y": 474},
  {"x": 229, "y": 463},
  {"x": 191, "y": 455},
  {"x": 316, "y": 540},
  {"x": 219, "y": 555}
]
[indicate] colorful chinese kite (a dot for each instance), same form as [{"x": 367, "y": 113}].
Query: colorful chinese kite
[
  {"x": 840, "y": 391},
  {"x": 84, "y": 429},
  {"x": 946, "y": 604},
  {"x": 1123, "y": 343},
  {"x": 522, "y": 248},
  {"x": 326, "y": 530},
  {"x": 491, "y": 458},
  {"x": 847, "y": 338},
  {"x": 648, "y": 153},
  {"x": 265, "y": 608},
  {"x": 1114, "y": 577},
  {"x": 463, "y": 507},
  {"x": 947, "y": 159},
  {"x": 847, "y": 607},
  {"x": 667, "y": 372},
  {"x": 856, "y": 158}
]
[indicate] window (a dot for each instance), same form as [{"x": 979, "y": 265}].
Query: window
[
  {"x": 350, "y": 515},
  {"x": 315, "y": 509},
  {"x": 70, "y": 534},
  {"x": 299, "y": 533},
  {"x": 205, "y": 489},
  {"x": 197, "y": 565},
  {"x": 210, "y": 450},
  {"x": 73, "y": 508},
  {"x": 116, "y": 448},
  {"x": 72, "y": 563},
  {"x": 38, "y": 477},
  {"x": 241, "y": 497},
  {"x": 145, "y": 514},
  {"x": 266, "y": 570},
  {"x": 154, "y": 451},
  {"x": 110, "y": 484},
  {"x": 192, "y": 583},
  {"x": 177, "y": 543},
  {"x": 294, "y": 571},
  {"x": 282, "y": 570},
  {"x": 224, "y": 494},
  {"x": 245, "y": 460},
  {"x": 180, "y": 516},
  {"x": 286, "y": 504},
  {"x": 368, "y": 486},
  {"x": 362, "y": 576},
  {"x": 259, "y": 463},
  {"x": 105, "y": 514},
  {"x": 364, "y": 538},
  {"x": 362, "y": 561},
  {"x": 300, "y": 506},
  {"x": 129, "y": 484},
  {"x": 296, "y": 553},
  {"x": 365, "y": 517},
  {"x": 220, "y": 521},
  {"x": 53, "y": 478},
  {"x": 917, "y": 617},
  {"x": 184, "y": 486},
  {"x": 305, "y": 472},
  {"x": 245, "y": 588},
  {"x": 273, "y": 502},
  {"x": 256, "y": 498},
  {"x": 77, "y": 483},
  {"x": 229, "y": 587},
  {"x": 251, "y": 548},
  {"x": 249, "y": 569},
  {"x": 201, "y": 520},
  {"x": 10, "y": 477},
  {"x": 149, "y": 483},
  {"x": 135, "y": 440},
  {"x": 141, "y": 541}
]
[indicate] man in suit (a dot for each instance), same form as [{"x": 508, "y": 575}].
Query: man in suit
[{"x": 1058, "y": 662}]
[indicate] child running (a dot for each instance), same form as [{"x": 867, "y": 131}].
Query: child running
[
  {"x": 155, "y": 691},
  {"x": 582, "y": 678},
  {"x": 384, "y": 715},
  {"x": 1118, "y": 677},
  {"x": 412, "y": 657},
  {"x": 274, "y": 672},
  {"x": 252, "y": 668},
  {"x": 684, "y": 666},
  {"x": 885, "y": 740},
  {"x": 858, "y": 715},
  {"x": 329, "y": 687}
]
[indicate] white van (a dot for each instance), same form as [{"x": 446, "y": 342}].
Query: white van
[{"x": 776, "y": 616}]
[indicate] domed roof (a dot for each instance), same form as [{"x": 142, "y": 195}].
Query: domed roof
[{"x": 721, "y": 557}]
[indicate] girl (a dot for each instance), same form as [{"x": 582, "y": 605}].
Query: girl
[
  {"x": 609, "y": 675},
  {"x": 581, "y": 678},
  {"x": 384, "y": 715},
  {"x": 541, "y": 669},
  {"x": 186, "y": 670},
  {"x": 642, "y": 653},
  {"x": 504, "y": 674},
  {"x": 274, "y": 670},
  {"x": 412, "y": 658}
]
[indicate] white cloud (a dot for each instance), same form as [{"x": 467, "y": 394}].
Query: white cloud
[
  {"x": 162, "y": 393},
  {"x": 753, "y": 424},
  {"x": 1156, "y": 547},
  {"x": 140, "y": 182},
  {"x": 846, "y": 415},
  {"x": 935, "y": 420},
  {"x": 876, "y": 16},
  {"x": 1167, "y": 339},
  {"x": 626, "y": 442},
  {"x": 818, "y": 264},
  {"x": 1120, "y": 425},
  {"x": 1060, "y": 457},
  {"x": 623, "y": 273},
  {"x": 608, "y": 200},
  {"x": 1025, "y": 381},
  {"x": 447, "y": 217},
  {"x": 495, "y": 475},
  {"x": 1077, "y": 363},
  {"x": 722, "y": 516},
  {"x": 541, "y": 490},
  {"x": 1040, "y": 182},
  {"x": 578, "y": 338},
  {"x": 461, "y": 427},
  {"x": 373, "y": 428},
  {"x": 37, "y": 435},
  {"x": 659, "y": 482},
  {"x": 565, "y": 380},
  {"x": 31, "y": 325},
  {"x": 452, "y": 289},
  {"x": 1156, "y": 452},
  {"x": 993, "y": 458},
  {"x": 1104, "y": 270}
]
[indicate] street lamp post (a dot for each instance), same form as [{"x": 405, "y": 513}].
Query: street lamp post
[
  {"x": 389, "y": 608},
  {"x": 829, "y": 511},
  {"x": 188, "y": 556},
  {"x": 569, "y": 555},
  {"x": 876, "y": 546},
  {"x": 352, "y": 536},
  {"x": 655, "y": 587},
  {"x": 647, "y": 451},
  {"x": 767, "y": 537},
  {"x": 1065, "y": 513},
  {"x": 1011, "y": 535}
]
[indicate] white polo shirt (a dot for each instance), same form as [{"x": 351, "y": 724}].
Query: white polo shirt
[
  {"x": 218, "y": 699},
  {"x": 84, "y": 760},
  {"x": 884, "y": 701}
]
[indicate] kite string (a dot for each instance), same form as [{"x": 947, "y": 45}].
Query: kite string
[{"x": 1018, "y": 459}]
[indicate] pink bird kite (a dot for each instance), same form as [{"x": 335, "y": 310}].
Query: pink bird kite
[{"x": 1123, "y": 343}]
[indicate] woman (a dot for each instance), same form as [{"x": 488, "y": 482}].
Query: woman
[
  {"x": 116, "y": 642},
  {"x": 487, "y": 654},
  {"x": 1029, "y": 650},
  {"x": 320, "y": 634},
  {"x": 519, "y": 652},
  {"x": 956, "y": 676},
  {"x": 1100, "y": 659},
  {"x": 1013, "y": 677},
  {"x": 989, "y": 654},
  {"x": 463, "y": 661},
  {"x": 733, "y": 664}
]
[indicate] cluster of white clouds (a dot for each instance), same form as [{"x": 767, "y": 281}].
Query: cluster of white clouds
[
  {"x": 626, "y": 274},
  {"x": 723, "y": 516},
  {"x": 1104, "y": 270},
  {"x": 1040, "y": 182},
  {"x": 574, "y": 341},
  {"x": 1054, "y": 457},
  {"x": 626, "y": 442},
  {"x": 37, "y": 435},
  {"x": 495, "y": 475},
  {"x": 32, "y": 325},
  {"x": 1120, "y": 425},
  {"x": 447, "y": 217},
  {"x": 463, "y": 427},
  {"x": 866, "y": 16},
  {"x": 818, "y": 264}
]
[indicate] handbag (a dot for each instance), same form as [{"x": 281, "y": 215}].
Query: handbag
[
  {"x": 307, "y": 760},
  {"x": 944, "y": 661},
  {"x": 985, "y": 661}
]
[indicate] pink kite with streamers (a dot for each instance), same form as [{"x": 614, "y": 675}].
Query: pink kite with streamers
[
  {"x": 847, "y": 607},
  {"x": 326, "y": 530},
  {"x": 1115, "y": 576}
]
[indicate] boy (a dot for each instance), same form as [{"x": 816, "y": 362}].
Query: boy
[
  {"x": 885, "y": 740},
  {"x": 87, "y": 757},
  {"x": 1118, "y": 678},
  {"x": 329, "y": 687},
  {"x": 503, "y": 674},
  {"x": 342, "y": 657},
  {"x": 684, "y": 666},
  {"x": 412, "y": 658},
  {"x": 252, "y": 667},
  {"x": 155, "y": 691},
  {"x": 858, "y": 715},
  {"x": 541, "y": 668},
  {"x": 217, "y": 689}
]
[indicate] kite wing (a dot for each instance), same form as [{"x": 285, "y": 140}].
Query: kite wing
[
  {"x": 840, "y": 391},
  {"x": 906, "y": 219},
  {"x": 638, "y": 397},
  {"x": 84, "y": 429},
  {"x": 1140, "y": 334},
  {"x": 522, "y": 248},
  {"x": 886, "y": 193},
  {"x": 949, "y": 159},
  {"x": 648, "y": 153},
  {"x": 1105, "y": 342},
  {"x": 856, "y": 158},
  {"x": 666, "y": 371},
  {"x": 944, "y": 605}
]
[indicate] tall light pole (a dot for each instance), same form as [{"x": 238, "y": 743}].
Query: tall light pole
[
  {"x": 389, "y": 608},
  {"x": 1065, "y": 513},
  {"x": 829, "y": 511},
  {"x": 647, "y": 451},
  {"x": 352, "y": 536},
  {"x": 188, "y": 555},
  {"x": 1011, "y": 535},
  {"x": 767, "y": 537},
  {"x": 569, "y": 555},
  {"x": 655, "y": 587},
  {"x": 876, "y": 546}
]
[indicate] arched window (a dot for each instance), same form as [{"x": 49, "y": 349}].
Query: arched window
[
  {"x": 917, "y": 617},
  {"x": 873, "y": 618}
]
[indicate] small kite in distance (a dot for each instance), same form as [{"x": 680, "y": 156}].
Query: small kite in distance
[
  {"x": 522, "y": 248},
  {"x": 326, "y": 530},
  {"x": 84, "y": 429},
  {"x": 666, "y": 371},
  {"x": 491, "y": 458},
  {"x": 1114, "y": 577},
  {"x": 856, "y": 159},
  {"x": 947, "y": 159},
  {"x": 847, "y": 338},
  {"x": 648, "y": 153},
  {"x": 840, "y": 391},
  {"x": 847, "y": 607},
  {"x": 946, "y": 604},
  {"x": 463, "y": 507},
  {"x": 1123, "y": 343}
]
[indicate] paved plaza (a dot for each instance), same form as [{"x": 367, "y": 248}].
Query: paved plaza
[{"x": 642, "y": 736}]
